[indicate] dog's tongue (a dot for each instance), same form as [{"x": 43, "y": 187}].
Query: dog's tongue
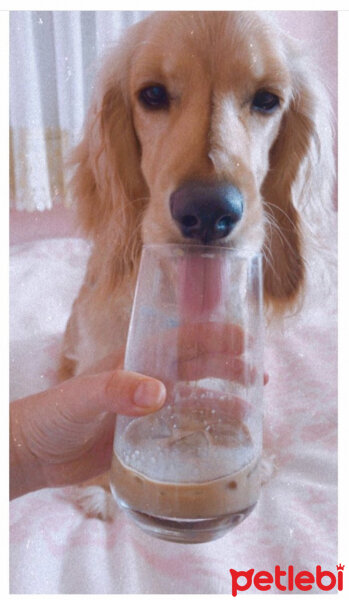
[{"x": 202, "y": 283}]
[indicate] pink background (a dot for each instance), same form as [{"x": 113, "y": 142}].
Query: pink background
[{"x": 317, "y": 28}]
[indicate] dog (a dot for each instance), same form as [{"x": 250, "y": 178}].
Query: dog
[{"x": 204, "y": 128}]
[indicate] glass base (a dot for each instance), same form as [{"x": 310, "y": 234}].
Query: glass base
[{"x": 187, "y": 531}]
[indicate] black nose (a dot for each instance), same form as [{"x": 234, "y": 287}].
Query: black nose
[{"x": 206, "y": 212}]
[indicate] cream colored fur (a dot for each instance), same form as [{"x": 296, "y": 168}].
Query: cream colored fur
[{"x": 131, "y": 159}]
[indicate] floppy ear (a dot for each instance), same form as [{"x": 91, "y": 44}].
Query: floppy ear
[
  {"x": 297, "y": 188},
  {"x": 108, "y": 184}
]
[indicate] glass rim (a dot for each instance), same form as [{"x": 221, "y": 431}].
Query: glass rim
[{"x": 204, "y": 249}]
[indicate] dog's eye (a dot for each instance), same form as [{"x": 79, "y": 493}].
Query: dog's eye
[
  {"x": 265, "y": 102},
  {"x": 154, "y": 96}
]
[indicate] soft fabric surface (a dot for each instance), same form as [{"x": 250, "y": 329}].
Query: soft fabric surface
[{"x": 55, "y": 549}]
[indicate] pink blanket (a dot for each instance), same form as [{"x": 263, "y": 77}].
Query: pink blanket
[{"x": 55, "y": 549}]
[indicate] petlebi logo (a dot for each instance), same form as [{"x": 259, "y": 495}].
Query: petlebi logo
[{"x": 287, "y": 580}]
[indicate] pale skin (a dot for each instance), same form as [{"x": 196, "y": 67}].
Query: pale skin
[{"x": 64, "y": 435}]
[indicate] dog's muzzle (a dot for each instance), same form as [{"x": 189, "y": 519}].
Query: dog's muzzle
[{"x": 206, "y": 212}]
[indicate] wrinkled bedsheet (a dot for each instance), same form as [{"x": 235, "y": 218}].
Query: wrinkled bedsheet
[{"x": 55, "y": 549}]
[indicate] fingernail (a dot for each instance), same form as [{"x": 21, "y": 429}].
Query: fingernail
[{"x": 149, "y": 393}]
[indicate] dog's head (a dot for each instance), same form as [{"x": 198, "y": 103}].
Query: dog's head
[{"x": 209, "y": 128}]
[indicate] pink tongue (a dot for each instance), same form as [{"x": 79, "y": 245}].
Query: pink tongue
[{"x": 202, "y": 285}]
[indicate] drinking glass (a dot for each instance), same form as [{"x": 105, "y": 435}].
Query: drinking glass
[{"x": 190, "y": 471}]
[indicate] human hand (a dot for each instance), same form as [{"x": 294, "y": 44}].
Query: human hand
[
  {"x": 193, "y": 351},
  {"x": 65, "y": 435}
]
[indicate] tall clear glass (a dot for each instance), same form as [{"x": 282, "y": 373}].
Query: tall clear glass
[{"x": 190, "y": 472}]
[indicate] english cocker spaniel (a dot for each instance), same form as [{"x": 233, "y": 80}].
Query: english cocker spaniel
[{"x": 204, "y": 128}]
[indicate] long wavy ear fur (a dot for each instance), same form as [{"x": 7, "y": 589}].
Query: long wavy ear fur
[
  {"x": 298, "y": 184},
  {"x": 108, "y": 182},
  {"x": 111, "y": 192}
]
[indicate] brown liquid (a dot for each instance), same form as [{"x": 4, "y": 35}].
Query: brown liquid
[
  {"x": 222, "y": 496},
  {"x": 194, "y": 464}
]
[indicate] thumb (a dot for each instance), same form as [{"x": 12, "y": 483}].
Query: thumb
[{"x": 123, "y": 392}]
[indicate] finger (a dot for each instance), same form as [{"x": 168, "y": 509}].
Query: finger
[
  {"x": 162, "y": 356},
  {"x": 216, "y": 338},
  {"x": 232, "y": 406},
  {"x": 85, "y": 397},
  {"x": 112, "y": 361},
  {"x": 224, "y": 366}
]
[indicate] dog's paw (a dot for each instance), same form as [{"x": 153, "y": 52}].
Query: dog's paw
[
  {"x": 267, "y": 468},
  {"x": 95, "y": 502}
]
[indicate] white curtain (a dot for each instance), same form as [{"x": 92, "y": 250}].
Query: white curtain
[{"x": 53, "y": 56}]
